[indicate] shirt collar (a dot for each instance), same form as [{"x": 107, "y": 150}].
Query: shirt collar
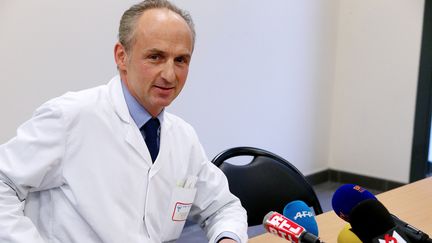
[{"x": 138, "y": 113}]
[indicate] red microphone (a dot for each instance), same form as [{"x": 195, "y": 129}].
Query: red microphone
[{"x": 277, "y": 224}]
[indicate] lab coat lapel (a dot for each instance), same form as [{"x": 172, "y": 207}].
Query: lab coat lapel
[
  {"x": 132, "y": 134},
  {"x": 164, "y": 148},
  {"x": 136, "y": 141}
]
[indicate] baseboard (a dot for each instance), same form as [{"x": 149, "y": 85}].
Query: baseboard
[{"x": 346, "y": 177}]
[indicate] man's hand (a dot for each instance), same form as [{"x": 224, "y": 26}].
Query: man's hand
[{"x": 226, "y": 240}]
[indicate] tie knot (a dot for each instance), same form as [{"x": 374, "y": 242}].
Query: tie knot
[{"x": 151, "y": 125}]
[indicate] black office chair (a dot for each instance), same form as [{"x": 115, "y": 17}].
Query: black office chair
[{"x": 266, "y": 184}]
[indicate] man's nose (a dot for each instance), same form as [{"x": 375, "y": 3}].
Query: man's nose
[{"x": 168, "y": 72}]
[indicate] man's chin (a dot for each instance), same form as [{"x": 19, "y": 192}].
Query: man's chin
[
  {"x": 163, "y": 101},
  {"x": 162, "y": 104}
]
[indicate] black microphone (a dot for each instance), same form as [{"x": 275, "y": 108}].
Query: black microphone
[
  {"x": 372, "y": 222},
  {"x": 348, "y": 196},
  {"x": 412, "y": 232}
]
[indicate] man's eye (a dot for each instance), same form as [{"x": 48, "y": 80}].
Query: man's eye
[
  {"x": 181, "y": 60},
  {"x": 154, "y": 57}
]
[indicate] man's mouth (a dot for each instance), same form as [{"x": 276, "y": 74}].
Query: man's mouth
[{"x": 163, "y": 88}]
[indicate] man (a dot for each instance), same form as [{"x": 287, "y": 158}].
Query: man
[{"x": 108, "y": 164}]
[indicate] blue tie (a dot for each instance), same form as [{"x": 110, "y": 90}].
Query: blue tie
[{"x": 150, "y": 130}]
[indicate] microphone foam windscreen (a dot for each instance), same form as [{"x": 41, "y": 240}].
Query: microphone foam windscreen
[
  {"x": 347, "y": 236},
  {"x": 301, "y": 214},
  {"x": 348, "y": 196},
  {"x": 370, "y": 219}
]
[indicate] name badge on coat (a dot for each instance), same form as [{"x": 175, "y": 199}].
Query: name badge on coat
[{"x": 180, "y": 205}]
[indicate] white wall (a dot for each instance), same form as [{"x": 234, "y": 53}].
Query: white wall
[
  {"x": 262, "y": 76},
  {"x": 255, "y": 65},
  {"x": 378, "y": 50},
  {"x": 49, "y": 47}
]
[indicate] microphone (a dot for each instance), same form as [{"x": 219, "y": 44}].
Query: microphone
[
  {"x": 277, "y": 224},
  {"x": 299, "y": 212},
  {"x": 412, "y": 232},
  {"x": 348, "y": 196},
  {"x": 347, "y": 236},
  {"x": 372, "y": 222}
]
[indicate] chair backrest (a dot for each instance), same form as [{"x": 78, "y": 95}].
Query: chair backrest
[{"x": 266, "y": 184}]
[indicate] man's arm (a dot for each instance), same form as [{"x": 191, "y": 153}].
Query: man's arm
[
  {"x": 14, "y": 227},
  {"x": 215, "y": 208},
  {"x": 29, "y": 162}
]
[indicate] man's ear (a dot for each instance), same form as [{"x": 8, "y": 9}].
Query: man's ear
[{"x": 120, "y": 56}]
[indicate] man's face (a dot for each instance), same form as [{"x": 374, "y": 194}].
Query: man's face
[{"x": 156, "y": 67}]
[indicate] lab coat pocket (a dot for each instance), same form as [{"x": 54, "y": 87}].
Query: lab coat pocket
[{"x": 179, "y": 207}]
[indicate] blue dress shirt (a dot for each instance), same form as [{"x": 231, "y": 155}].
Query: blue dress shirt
[{"x": 138, "y": 113}]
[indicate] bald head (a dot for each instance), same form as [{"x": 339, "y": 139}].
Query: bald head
[{"x": 130, "y": 18}]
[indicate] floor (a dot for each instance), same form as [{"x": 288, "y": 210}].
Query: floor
[{"x": 192, "y": 233}]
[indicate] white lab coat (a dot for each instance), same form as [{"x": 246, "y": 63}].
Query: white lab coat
[{"x": 86, "y": 175}]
